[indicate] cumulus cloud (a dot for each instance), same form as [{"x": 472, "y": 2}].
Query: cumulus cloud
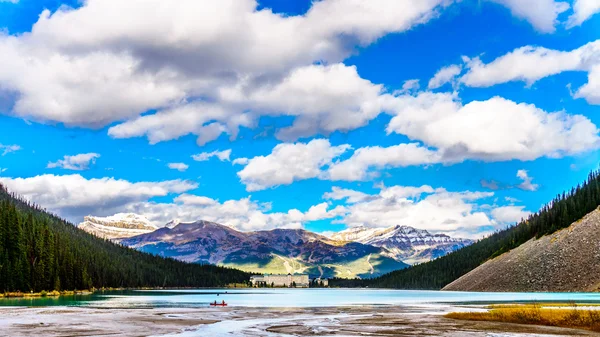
[
  {"x": 445, "y": 75},
  {"x": 492, "y": 130},
  {"x": 363, "y": 160},
  {"x": 323, "y": 98},
  {"x": 219, "y": 66},
  {"x": 290, "y": 162},
  {"x": 350, "y": 196},
  {"x": 219, "y": 58},
  {"x": 243, "y": 214},
  {"x": 6, "y": 149},
  {"x": 408, "y": 87},
  {"x": 583, "y": 10},
  {"x": 530, "y": 64},
  {"x": 79, "y": 162},
  {"x": 181, "y": 167},
  {"x": 542, "y": 14},
  {"x": 240, "y": 161},
  {"x": 526, "y": 183},
  {"x": 204, "y": 156},
  {"x": 424, "y": 207},
  {"x": 510, "y": 214},
  {"x": 74, "y": 196}
]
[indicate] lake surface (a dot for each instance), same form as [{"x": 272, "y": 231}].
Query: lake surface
[{"x": 291, "y": 298}]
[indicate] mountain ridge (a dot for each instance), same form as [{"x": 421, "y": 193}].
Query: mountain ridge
[
  {"x": 120, "y": 225},
  {"x": 566, "y": 260},
  {"x": 404, "y": 243},
  {"x": 276, "y": 251}
]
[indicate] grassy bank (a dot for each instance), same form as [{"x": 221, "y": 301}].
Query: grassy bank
[
  {"x": 565, "y": 315},
  {"x": 54, "y": 293}
]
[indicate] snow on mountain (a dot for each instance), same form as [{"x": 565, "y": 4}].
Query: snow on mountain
[
  {"x": 121, "y": 225},
  {"x": 404, "y": 243}
]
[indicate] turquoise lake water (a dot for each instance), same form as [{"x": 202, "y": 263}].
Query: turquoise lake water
[{"x": 292, "y": 298}]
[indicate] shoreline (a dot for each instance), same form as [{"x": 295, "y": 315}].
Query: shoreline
[{"x": 383, "y": 320}]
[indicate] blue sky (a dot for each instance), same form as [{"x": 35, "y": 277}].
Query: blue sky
[{"x": 307, "y": 109}]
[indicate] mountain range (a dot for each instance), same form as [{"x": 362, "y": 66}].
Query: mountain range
[
  {"x": 404, "y": 243},
  {"x": 357, "y": 252}
]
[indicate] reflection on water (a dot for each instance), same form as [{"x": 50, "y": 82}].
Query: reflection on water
[{"x": 290, "y": 298}]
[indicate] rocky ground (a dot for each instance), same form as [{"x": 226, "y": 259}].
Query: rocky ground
[
  {"x": 346, "y": 321},
  {"x": 568, "y": 260}
]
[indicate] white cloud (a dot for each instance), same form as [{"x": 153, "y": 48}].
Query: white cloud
[
  {"x": 181, "y": 167},
  {"x": 243, "y": 214},
  {"x": 219, "y": 66},
  {"x": 204, "y": 156},
  {"x": 542, "y": 14},
  {"x": 358, "y": 167},
  {"x": 74, "y": 196},
  {"x": 6, "y": 149},
  {"x": 11, "y": 1},
  {"x": 510, "y": 214},
  {"x": 583, "y": 10},
  {"x": 324, "y": 98},
  {"x": 591, "y": 90},
  {"x": 240, "y": 161},
  {"x": 527, "y": 184},
  {"x": 438, "y": 210},
  {"x": 493, "y": 130},
  {"x": 289, "y": 162},
  {"x": 74, "y": 69},
  {"x": 350, "y": 196},
  {"x": 409, "y": 87},
  {"x": 79, "y": 162},
  {"x": 445, "y": 75},
  {"x": 530, "y": 64}
]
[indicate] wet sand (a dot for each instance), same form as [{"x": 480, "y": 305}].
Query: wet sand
[{"x": 241, "y": 321}]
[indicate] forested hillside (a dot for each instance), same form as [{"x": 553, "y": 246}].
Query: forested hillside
[
  {"x": 39, "y": 251},
  {"x": 560, "y": 213}
]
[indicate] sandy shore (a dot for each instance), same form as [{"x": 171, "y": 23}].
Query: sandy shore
[{"x": 240, "y": 321}]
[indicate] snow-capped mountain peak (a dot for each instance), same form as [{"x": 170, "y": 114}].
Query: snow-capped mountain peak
[
  {"x": 121, "y": 225},
  {"x": 404, "y": 243}
]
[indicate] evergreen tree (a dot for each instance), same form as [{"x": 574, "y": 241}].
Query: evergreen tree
[
  {"x": 39, "y": 251},
  {"x": 560, "y": 213}
]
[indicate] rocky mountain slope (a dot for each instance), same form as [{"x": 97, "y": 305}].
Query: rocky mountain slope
[
  {"x": 567, "y": 260},
  {"x": 404, "y": 243},
  {"x": 122, "y": 225},
  {"x": 274, "y": 251}
]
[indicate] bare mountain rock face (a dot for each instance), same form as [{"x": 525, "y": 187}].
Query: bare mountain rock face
[
  {"x": 568, "y": 260},
  {"x": 273, "y": 251},
  {"x": 122, "y": 225},
  {"x": 404, "y": 243}
]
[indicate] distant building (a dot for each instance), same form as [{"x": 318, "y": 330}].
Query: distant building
[
  {"x": 322, "y": 282},
  {"x": 289, "y": 280}
]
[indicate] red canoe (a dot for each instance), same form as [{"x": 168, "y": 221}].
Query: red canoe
[{"x": 218, "y": 304}]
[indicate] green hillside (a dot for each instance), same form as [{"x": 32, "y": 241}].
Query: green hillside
[
  {"x": 559, "y": 213},
  {"x": 40, "y": 251}
]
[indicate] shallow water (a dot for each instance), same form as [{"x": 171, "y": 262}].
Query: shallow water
[{"x": 292, "y": 298}]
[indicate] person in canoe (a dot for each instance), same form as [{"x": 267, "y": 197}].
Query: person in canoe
[{"x": 222, "y": 304}]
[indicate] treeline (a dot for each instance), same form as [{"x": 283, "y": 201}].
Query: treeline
[
  {"x": 39, "y": 251},
  {"x": 559, "y": 213}
]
